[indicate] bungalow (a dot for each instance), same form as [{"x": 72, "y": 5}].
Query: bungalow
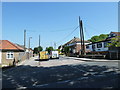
[
  {"x": 9, "y": 52},
  {"x": 101, "y": 46},
  {"x": 75, "y": 45}
]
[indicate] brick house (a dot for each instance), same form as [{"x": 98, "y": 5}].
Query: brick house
[
  {"x": 75, "y": 45},
  {"x": 9, "y": 52}
]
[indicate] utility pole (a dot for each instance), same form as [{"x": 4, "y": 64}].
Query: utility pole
[
  {"x": 29, "y": 47},
  {"x": 39, "y": 49},
  {"x": 80, "y": 34},
  {"x": 82, "y": 37},
  {"x": 39, "y": 40},
  {"x": 24, "y": 39},
  {"x": 54, "y": 45}
]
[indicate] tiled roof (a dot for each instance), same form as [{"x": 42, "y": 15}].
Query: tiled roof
[
  {"x": 7, "y": 45},
  {"x": 117, "y": 33},
  {"x": 75, "y": 39}
]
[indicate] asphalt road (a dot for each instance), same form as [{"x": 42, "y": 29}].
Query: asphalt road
[{"x": 61, "y": 73}]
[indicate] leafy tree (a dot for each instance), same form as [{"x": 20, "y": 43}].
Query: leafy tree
[
  {"x": 98, "y": 38},
  {"x": 102, "y": 36},
  {"x": 94, "y": 39},
  {"x": 115, "y": 42},
  {"x": 66, "y": 49},
  {"x": 37, "y": 49},
  {"x": 49, "y": 49},
  {"x": 40, "y": 48}
]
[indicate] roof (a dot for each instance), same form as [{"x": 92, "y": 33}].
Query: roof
[
  {"x": 7, "y": 45},
  {"x": 22, "y": 46},
  {"x": 117, "y": 33},
  {"x": 98, "y": 42},
  {"x": 75, "y": 39}
]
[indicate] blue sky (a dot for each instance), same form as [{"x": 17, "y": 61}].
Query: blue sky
[{"x": 54, "y": 21}]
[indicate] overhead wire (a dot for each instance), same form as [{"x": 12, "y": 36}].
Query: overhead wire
[
  {"x": 68, "y": 35},
  {"x": 50, "y": 30}
]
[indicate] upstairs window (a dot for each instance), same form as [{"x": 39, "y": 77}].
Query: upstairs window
[
  {"x": 87, "y": 46},
  {"x": 112, "y": 35},
  {"x": 105, "y": 44},
  {"x": 99, "y": 45},
  {"x": 9, "y": 55}
]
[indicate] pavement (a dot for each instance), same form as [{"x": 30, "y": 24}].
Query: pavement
[
  {"x": 61, "y": 73},
  {"x": 88, "y": 59}
]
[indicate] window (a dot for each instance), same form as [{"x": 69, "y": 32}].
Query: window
[
  {"x": 112, "y": 35},
  {"x": 99, "y": 45},
  {"x": 93, "y": 46},
  {"x": 87, "y": 46},
  {"x": 10, "y": 55},
  {"x": 105, "y": 44}
]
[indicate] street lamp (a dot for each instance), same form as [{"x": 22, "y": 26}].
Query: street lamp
[{"x": 29, "y": 42}]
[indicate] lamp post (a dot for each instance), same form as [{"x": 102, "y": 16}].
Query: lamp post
[{"x": 29, "y": 42}]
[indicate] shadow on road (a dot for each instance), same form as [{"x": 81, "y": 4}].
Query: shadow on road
[
  {"x": 41, "y": 60},
  {"x": 72, "y": 76}
]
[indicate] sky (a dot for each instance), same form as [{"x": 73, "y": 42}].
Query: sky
[{"x": 55, "y": 22}]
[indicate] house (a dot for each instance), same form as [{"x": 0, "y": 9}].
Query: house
[
  {"x": 101, "y": 46},
  {"x": 60, "y": 48},
  {"x": 75, "y": 45},
  {"x": 10, "y": 52}
]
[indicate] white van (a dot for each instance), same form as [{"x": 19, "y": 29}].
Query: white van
[{"x": 54, "y": 54}]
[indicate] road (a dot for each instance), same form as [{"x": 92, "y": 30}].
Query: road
[{"x": 61, "y": 73}]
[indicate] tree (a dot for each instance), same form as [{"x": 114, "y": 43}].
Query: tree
[
  {"x": 94, "y": 39},
  {"x": 40, "y": 48},
  {"x": 115, "y": 42},
  {"x": 66, "y": 49},
  {"x": 49, "y": 49},
  {"x": 37, "y": 49},
  {"x": 102, "y": 36},
  {"x": 98, "y": 38}
]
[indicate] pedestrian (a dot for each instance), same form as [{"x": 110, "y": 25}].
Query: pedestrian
[
  {"x": 14, "y": 62},
  {"x": 39, "y": 59}
]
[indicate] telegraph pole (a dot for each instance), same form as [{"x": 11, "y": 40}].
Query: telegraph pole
[
  {"x": 29, "y": 46},
  {"x": 39, "y": 49},
  {"x": 82, "y": 37},
  {"x": 80, "y": 34},
  {"x": 54, "y": 45},
  {"x": 24, "y": 39},
  {"x": 39, "y": 40}
]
